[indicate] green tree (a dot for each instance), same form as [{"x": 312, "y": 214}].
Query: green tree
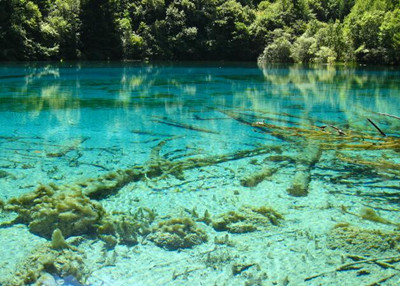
[
  {"x": 389, "y": 35},
  {"x": 279, "y": 51},
  {"x": 99, "y": 30},
  {"x": 63, "y": 25}
]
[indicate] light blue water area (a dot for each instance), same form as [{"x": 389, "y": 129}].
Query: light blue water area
[
  {"x": 69, "y": 122},
  {"x": 118, "y": 111}
]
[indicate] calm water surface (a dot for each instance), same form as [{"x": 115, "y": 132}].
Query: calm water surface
[{"x": 64, "y": 123}]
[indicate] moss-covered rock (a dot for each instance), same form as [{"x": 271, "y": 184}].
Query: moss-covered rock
[
  {"x": 247, "y": 219},
  {"x": 177, "y": 233},
  {"x": 48, "y": 208}
]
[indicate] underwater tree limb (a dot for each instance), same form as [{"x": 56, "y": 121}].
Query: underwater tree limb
[
  {"x": 156, "y": 167},
  {"x": 380, "y": 164},
  {"x": 169, "y": 122},
  {"x": 339, "y": 131},
  {"x": 384, "y": 279},
  {"x": 254, "y": 179},
  {"x": 388, "y": 115},
  {"x": 348, "y": 266},
  {"x": 65, "y": 149},
  {"x": 262, "y": 126},
  {"x": 377, "y": 128}
]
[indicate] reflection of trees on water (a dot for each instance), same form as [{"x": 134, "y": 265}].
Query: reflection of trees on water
[
  {"x": 345, "y": 86},
  {"x": 178, "y": 91},
  {"x": 355, "y": 93},
  {"x": 43, "y": 89}
]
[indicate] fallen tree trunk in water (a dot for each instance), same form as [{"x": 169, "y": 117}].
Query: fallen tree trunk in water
[
  {"x": 304, "y": 163},
  {"x": 157, "y": 167}
]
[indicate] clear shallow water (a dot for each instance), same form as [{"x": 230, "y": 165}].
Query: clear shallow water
[{"x": 65, "y": 123}]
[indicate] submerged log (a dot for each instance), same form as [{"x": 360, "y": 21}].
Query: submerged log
[
  {"x": 159, "y": 168},
  {"x": 304, "y": 164},
  {"x": 253, "y": 179},
  {"x": 73, "y": 145},
  {"x": 169, "y": 122},
  {"x": 256, "y": 178}
]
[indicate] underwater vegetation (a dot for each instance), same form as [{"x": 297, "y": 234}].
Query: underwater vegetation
[
  {"x": 47, "y": 209},
  {"x": 72, "y": 210},
  {"x": 247, "y": 219},
  {"x": 361, "y": 241},
  {"x": 125, "y": 229},
  {"x": 54, "y": 257},
  {"x": 177, "y": 233}
]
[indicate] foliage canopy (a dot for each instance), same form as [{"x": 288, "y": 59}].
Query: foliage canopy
[{"x": 365, "y": 31}]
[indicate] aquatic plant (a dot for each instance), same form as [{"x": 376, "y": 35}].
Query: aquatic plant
[
  {"x": 47, "y": 208},
  {"x": 247, "y": 219},
  {"x": 125, "y": 229},
  {"x": 52, "y": 212},
  {"x": 58, "y": 241},
  {"x": 363, "y": 241},
  {"x": 44, "y": 260},
  {"x": 177, "y": 233},
  {"x": 370, "y": 214}
]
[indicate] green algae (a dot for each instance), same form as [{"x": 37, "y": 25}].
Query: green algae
[
  {"x": 125, "y": 229},
  {"x": 48, "y": 208},
  {"x": 4, "y": 174},
  {"x": 361, "y": 241},
  {"x": 58, "y": 241},
  {"x": 371, "y": 215},
  {"x": 247, "y": 219},
  {"x": 46, "y": 259},
  {"x": 177, "y": 233}
]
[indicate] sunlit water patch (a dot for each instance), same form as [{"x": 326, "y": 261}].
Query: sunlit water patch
[{"x": 187, "y": 174}]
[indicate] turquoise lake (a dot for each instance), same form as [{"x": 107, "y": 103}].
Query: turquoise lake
[{"x": 199, "y": 174}]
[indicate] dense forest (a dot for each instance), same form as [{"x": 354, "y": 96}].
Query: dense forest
[{"x": 307, "y": 31}]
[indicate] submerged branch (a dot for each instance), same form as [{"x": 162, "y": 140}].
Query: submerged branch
[
  {"x": 388, "y": 115},
  {"x": 377, "y": 128},
  {"x": 169, "y": 122}
]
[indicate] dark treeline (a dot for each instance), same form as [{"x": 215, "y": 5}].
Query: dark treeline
[{"x": 327, "y": 31}]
